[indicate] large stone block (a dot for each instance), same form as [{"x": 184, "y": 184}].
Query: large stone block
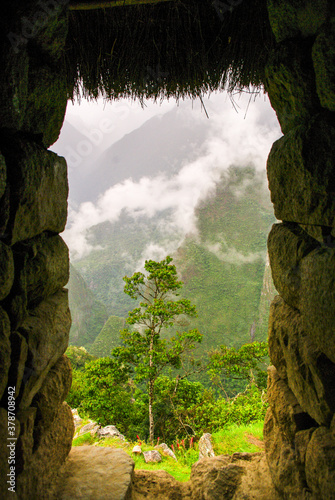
[
  {"x": 33, "y": 88},
  {"x": 25, "y": 442},
  {"x": 293, "y": 18},
  {"x": 320, "y": 464},
  {"x": 288, "y": 244},
  {"x": 97, "y": 473},
  {"x": 46, "y": 267},
  {"x": 51, "y": 20},
  {"x": 289, "y": 415},
  {"x": 5, "y": 350},
  {"x": 318, "y": 297},
  {"x": 216, "y": 477},
  {"x": 301, "y": 443},
  {"x": 45, "y": 465},
  {"x": 18, "y": 371},
  {"x": 46, "y": 102},
  {"x": 301, "y": 173},
  {"x": 323, "y": 54},
  {"x": 13, "y": 85},
  {"x": 287, "y": 474},
  {"x": 156, "y": 484},
  {"x": 308, "y": 372},
  {"x": 46, "y": 330},
  {"x": 41, "y": 269},
  {"x": 6, "y": 270},
  {"x": 51, "y": 395},
  {"x": 39, "y": 190},
  {"x": 290, "y": 84},
  {"x": 304, "y": 274}
]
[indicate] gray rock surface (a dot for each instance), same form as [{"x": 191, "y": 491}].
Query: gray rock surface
[
  {"x": 39, "y": 202},
  {"x": 52, "y": 393},
  {"x": 165, "y": 450},
  {"x": 206, "y": 446},
  {"x": 324, "y": 63},
  {"x": 308, "y": 372},
  {"x": 320, "y": 463},
  {"x": 47, "y": 333},
  {"x": 286, "y": 410},
  {"x": 93, "y": 473},
  {"x": 287, "y": 474},
  {"x": 42, "y": 459},
  {"x": 152, "y": 456},
  {"x": 110, "y": 431},
  {"x": 295, "y": 18},
  {"x": 301, "y": 173},
  {"x": 6, "y": 270},
  {"x": 242, "y": 476},
  {"x": 91, "y": 427},
  {"x": 291, "y": 86},
  {"x": 77, "y": 420}
]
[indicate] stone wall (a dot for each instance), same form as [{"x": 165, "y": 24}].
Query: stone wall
[
  {"x": 34, "y": 263},
  {"x": 300, "y": 424}
]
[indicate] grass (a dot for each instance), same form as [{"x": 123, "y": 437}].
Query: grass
[
  {"x": 235, "y": 438},
  {"x": 225, "y": 442}
]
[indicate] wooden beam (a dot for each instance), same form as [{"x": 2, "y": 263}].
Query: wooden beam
[{"x": 107, "y": 5}]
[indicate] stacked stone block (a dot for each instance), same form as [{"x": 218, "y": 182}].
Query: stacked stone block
[
  {"x": 300, "y": 424},
  {"x": 34, "y": 264}
]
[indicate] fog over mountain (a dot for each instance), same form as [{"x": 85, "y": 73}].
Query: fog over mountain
[{"x": 171, "y": 162}]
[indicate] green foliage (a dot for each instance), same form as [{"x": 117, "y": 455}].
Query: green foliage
[
  {"x": 84, "y": 439},
  {"x": 247, "y": 363},
  {"x": 105, "y": 393},
  {"x": 75, "y": 396},
  {"x": 246, "y": 407},
  {"x": 175, "y": 403},
  {"x": 78, "y": 357}
]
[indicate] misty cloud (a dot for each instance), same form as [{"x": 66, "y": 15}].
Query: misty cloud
[
  {"x": 233, "y": 256},
  {"x": 232, "y": 140}
]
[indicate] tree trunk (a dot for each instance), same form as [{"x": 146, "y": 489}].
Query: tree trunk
[
  {"x": 93, "y": 5},
  {"x": 151, "y": 417}
]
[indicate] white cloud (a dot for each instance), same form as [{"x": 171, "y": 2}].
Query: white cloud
[
  {"x": 233, "y": 139},
  {"x": 233, "y": 256}
]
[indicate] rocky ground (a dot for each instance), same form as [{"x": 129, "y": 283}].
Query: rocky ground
[{"x": 105, "y": 473}]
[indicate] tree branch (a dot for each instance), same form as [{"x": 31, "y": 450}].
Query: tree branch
[{"x": 94, "y": 5}]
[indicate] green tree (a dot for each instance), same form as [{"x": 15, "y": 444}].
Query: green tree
[
  {"x": 107, "y": 394},
  {"x": 146, "y": 350},
  {"x": 78, "y": 357},
  {"x": 249, "y": 363}
]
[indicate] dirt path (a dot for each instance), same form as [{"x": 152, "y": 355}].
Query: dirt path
[{"x": 253, "y": 440}]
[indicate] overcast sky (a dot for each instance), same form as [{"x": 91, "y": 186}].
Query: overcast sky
[{"x": 240, "y": 133}]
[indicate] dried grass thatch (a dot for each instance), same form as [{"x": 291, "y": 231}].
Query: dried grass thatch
[{"x": 177, "y": 48}]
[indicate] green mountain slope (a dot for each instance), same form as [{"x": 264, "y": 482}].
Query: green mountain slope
[
  {"x": 223, "y": 264},
  {"x": 108, "y": 338},
  {"x": 88, "y": 314}
]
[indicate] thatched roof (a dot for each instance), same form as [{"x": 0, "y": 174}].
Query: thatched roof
[{"x": 171, "y": 48}]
